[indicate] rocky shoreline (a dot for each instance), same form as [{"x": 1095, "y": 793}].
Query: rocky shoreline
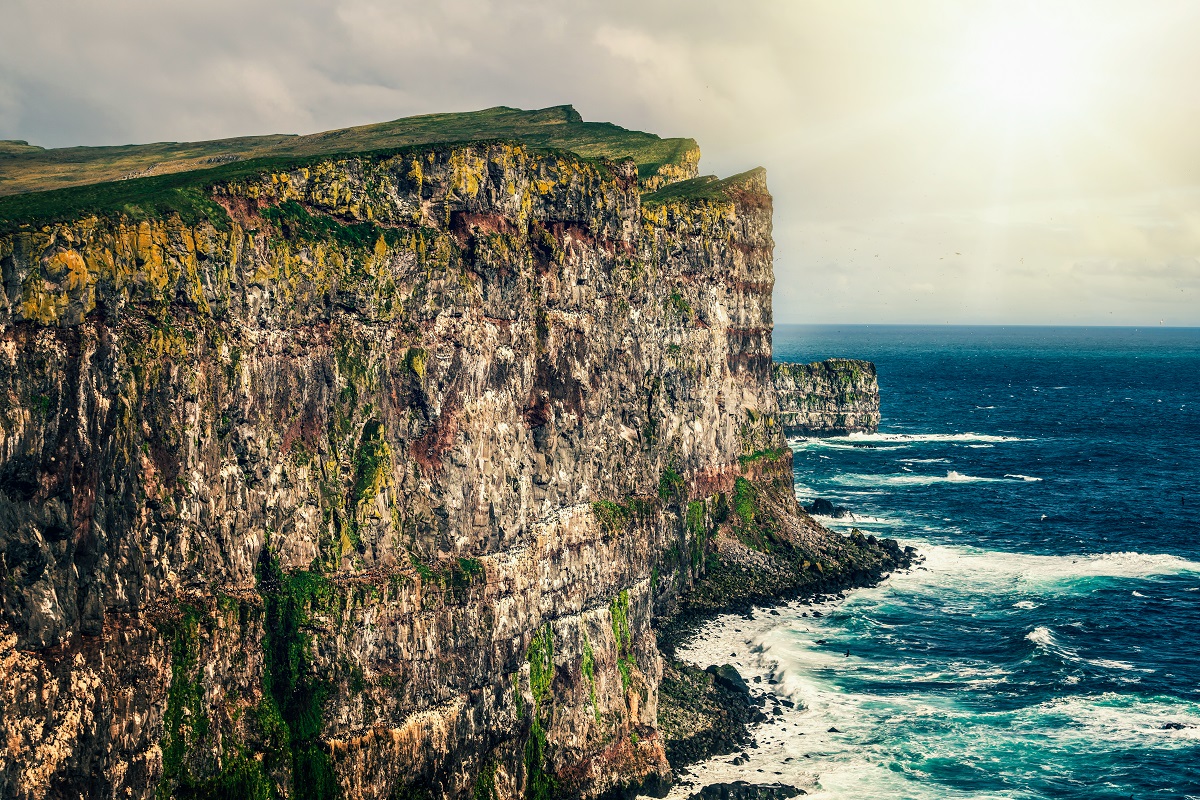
[{"x": 713, "y": 705}]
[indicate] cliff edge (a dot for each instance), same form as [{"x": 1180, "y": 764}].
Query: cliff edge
[{"x": 367, "y": 475}]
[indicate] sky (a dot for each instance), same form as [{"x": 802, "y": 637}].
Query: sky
[{"x": 932, "y": 161}]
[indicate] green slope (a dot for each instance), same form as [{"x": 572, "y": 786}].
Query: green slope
[{"x": 25, "y": 168}]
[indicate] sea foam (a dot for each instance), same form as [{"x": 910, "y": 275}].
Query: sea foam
[
  {"x": 932, "y": 437},
  {"x": 897, "y": 441},
  {"x": 951, "y": 476},
  {"x": 968, "y": 564}
]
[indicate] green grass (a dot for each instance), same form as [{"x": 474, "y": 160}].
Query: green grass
[
  {"x": 706, "y": 188},
  {"x": 670, "y": 483},
  {"x": 294, "y": 693},
  {"x": 295, "y": 221},
  {"x": 16, "y": 147},
  {"x": 770, "y": 454},
  {"x": 373, "y": 462},
  {"x": 678, "y": 305},
  {"x": 745, "y": 500},
  {"x": 623, "y": 636},
  {"x": 25, "y": 168},
  {"x": 187, "y": 194},
  {"x": 540, "y": 784}
]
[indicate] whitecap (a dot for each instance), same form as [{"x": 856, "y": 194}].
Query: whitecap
[
  {"x": 925, "y": 460},
  {"x": 1018, "y": 476},
  {"x": 933, "y": 437},
  {"x": 856, "y": 519},
  {"x": 1026, "y": 605},
  {"x": 1041, "y": 635},
  {"x": 1045, "y": 639},
  {"x": 1112, "y": 717},
  {"x": 973, "y": 565},
  {"x": 980, "y": 446},
  {"x": 1109, "y": 663},
  {"x": 836, "y": 443},
  {"x": 896, "y": 441},
  {"x": 803, "y": 492},
  {"x": 951, "y": 476}
]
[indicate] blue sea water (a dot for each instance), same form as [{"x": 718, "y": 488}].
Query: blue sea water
[{"x": 1049, "y": 645}]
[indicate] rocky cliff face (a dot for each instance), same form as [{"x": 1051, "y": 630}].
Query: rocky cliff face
[
  {"x": 371, "y": 483},
  {"x": 827, "y": 398}
]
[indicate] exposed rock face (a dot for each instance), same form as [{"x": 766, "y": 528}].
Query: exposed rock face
[
  {"x": 828, "y": 398},
  {"x": 371, "y": 484}
]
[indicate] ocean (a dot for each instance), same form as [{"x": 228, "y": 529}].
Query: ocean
[{"x": 1049, "y": 644}]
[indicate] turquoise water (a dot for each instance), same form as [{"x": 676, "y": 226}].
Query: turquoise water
[{"x": 1049, "y": 645}]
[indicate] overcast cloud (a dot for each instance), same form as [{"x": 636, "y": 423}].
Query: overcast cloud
[{"x": 910, "y": 184}]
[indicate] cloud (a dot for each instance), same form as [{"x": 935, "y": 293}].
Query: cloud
[{"x": 891, "y": 172}]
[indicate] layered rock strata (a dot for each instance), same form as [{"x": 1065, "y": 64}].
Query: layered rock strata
[
  {"x": 827, "y": 398},
  {"x": 371, "y": 483}
]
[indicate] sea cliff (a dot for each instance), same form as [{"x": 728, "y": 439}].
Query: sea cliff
[
  {"x": 827, "y": 398},
  {"x": 370, "y": 475}
]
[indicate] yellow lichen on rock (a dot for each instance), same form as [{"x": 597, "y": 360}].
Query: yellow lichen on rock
[
  {"x": 468, "y": 170},
  {"x": 40, "y": 303}
]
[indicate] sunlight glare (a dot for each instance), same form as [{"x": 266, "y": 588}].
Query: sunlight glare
[{"x": 1025, "y": 70}]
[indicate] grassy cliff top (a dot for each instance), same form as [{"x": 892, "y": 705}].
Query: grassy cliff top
[
  {"x": 752, "y": 182},
  {"x": 25, "y": 168}
]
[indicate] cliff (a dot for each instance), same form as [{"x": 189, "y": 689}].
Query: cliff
[
  {"x": 827, "y": 398},
  {"x": 367, "y": 475}
]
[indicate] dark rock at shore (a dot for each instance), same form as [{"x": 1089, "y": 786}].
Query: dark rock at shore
[
  {"x": 741, "y": 790},
  {"x": 700, "y": 715},
  {"x": 825, "y": 508},
  {"x": 728, "y": 676}
]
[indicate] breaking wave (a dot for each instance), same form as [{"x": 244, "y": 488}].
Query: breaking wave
[{"x": 951, "y": 476}]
